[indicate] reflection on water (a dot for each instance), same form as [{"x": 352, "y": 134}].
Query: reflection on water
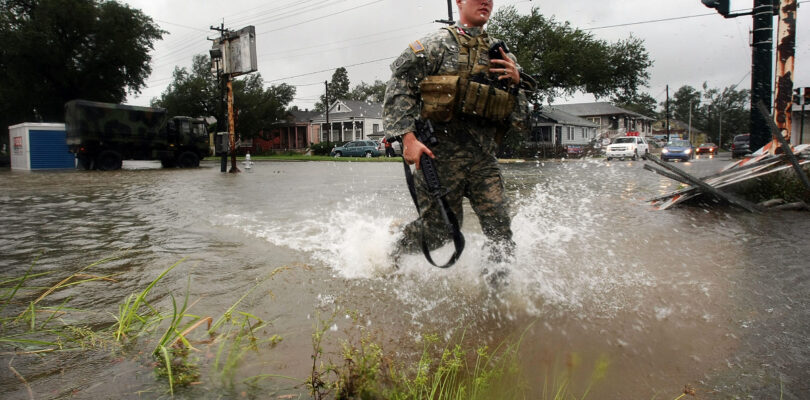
[{"x": 705, "y": 296}]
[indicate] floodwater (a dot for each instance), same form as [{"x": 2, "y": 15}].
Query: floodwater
[{"x": 707, "y": 296}]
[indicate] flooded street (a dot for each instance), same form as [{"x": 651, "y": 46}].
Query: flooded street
[{"x": 709, "y": 296}]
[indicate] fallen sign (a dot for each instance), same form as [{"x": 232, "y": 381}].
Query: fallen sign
[
  {"x": 755, "y": 166},
  {"x": 764, "y": 161}
]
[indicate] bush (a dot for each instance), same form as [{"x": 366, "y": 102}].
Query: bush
[{"x": 322, "y": 149}]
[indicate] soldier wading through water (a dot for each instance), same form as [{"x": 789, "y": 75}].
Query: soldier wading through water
[{"x": 470, "y": 91}]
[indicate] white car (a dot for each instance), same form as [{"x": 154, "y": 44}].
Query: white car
[{"x": 631, "y": 147}]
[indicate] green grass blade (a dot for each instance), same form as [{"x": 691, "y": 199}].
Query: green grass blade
[{"x": 168, "y": 362}]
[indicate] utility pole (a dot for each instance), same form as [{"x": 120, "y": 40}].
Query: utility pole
[
  {"x": 667, "y": 113},
  {"x": 719, "y": 128},
  {"x": 328, "y": 125},
  {"x": 690, "y": 120},
  {"x": 761, "y": 62},
  {"x": 224, "y": 34},
  {"x": 804, "y": 103},
  {"x": 785, "y": 52},
  {"x": 761, "y": 70}
]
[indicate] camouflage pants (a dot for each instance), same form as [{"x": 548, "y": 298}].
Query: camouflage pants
[{"x": 464, "y": 171}]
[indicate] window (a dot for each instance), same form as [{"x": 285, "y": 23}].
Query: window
[{"x": 375, "y": 128}]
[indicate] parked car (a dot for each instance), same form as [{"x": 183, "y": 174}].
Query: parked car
[
  {"x": 678, "y": 149},
  {"x": 631, "y": 147},
  {"x": 705, "y": 148},
  {"x": 741, "y": 145},
  {"x": 357, "y": 148}
]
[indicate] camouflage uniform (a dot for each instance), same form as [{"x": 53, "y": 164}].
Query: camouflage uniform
[{"x": 465, "y": 153}]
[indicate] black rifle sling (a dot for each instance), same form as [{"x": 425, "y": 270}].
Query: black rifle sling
[{"x": 451, "y": 223}]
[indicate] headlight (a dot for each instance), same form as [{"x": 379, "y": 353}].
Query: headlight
[
  {"x": 688, "y": 151},
  {"x": 664, "y": 150}
]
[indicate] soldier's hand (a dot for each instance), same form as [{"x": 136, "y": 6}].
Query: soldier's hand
[
  {"x": 412, "y": 149},
  {"x": 507, "y": 68}
]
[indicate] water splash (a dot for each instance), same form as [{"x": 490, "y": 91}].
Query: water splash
[{"x": 563, "y": 255}]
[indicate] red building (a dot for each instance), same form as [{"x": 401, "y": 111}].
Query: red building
[{"x": 294, "y": 133}]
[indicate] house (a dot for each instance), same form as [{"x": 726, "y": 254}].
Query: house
[
  {"x": 612, "y": 121},
  {"x": 680, "y": 129},
  {"x": 350, "y": 120},
  {"x": 294, "y": 133},
  {"x": 552, "y": 127}
]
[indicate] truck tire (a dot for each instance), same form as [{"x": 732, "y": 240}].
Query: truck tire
[
  {"x": 188, "y": 159},
  {"x": 84, "y": 162},
  {"x": 168, "y": 163},
  {"x": 108, "y": 160}
]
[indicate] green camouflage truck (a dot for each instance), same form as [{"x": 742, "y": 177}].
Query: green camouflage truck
[{"x": 102, "y": 135}]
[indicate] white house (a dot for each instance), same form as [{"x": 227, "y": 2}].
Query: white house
[
  {"x": 613, "y": 121},
  {"x": 350, "y": 120},
  {"x": 551, "y": 126}
]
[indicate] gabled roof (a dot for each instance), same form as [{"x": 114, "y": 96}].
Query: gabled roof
[
  {"x": 553, "y": 114},
  {"x": 597, "y": 109},
  {"x": 304, "y": 116},
  {"x": 352, "y": 109}
]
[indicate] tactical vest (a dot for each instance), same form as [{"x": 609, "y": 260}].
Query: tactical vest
[{"x": 444, "y": 96}]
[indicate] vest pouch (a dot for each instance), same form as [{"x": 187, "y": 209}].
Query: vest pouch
[
  {"x": 475, "y": 99},
  {"x": 439, "y": 97},
  {"x": 500, "y": 106}
]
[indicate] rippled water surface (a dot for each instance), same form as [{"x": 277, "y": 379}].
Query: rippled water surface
[{"x": 703, "y": 295}]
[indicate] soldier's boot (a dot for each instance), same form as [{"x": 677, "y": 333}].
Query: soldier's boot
[{"x": 500, "y": 256}]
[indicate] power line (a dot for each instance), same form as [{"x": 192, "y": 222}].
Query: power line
[
  {"x": 322, "y": 17},
  {"x": 332, "y": 69},
  {"x": 669, "y": 19}
]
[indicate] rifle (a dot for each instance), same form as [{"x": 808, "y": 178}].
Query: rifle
[{"x": 424, "y": 133}]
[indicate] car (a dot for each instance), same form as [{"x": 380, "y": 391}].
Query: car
[
  {"x": 678, "y": 149},
  {"x": 707, "y": 148},
  {"x": 631, "y": 147},
  {"x": 741, "y": 145},
  {"x": 357, "y": 148}
]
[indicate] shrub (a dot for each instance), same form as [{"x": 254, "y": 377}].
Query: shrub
[{"x": 322, "y": 149}]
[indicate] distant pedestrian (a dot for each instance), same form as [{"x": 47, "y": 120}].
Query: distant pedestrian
[{"x": 389, "y": 150}]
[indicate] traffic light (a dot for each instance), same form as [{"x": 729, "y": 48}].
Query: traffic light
[
  {"x": 807, "y": 95},
  {"x": 721, "y": 6},
  {"x": 797, "y": 96}
]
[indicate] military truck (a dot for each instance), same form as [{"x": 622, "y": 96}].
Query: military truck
[{"x": 102, "y": 135}]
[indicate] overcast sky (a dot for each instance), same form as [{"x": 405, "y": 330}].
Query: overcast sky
[{"x": 301, "y": 42}]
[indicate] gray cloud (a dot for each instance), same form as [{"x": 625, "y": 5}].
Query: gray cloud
[{"x": 298, "y": 37}]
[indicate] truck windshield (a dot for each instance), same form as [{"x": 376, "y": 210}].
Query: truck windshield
[
  {"x": 185, "y": 128},
  {"x": 198, "y": 129}
]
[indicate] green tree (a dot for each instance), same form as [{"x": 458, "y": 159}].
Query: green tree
[
  {"x": 684, "y": 99},
  {"x": 258, "y": 108},
  {"x": 57, "y": 50},
  {"x": 338, "y": 89},
  {"x": 193, "y": 93},
  {"x": 726, "y": 113},
  {"x": 373, "y": 93},
  {"x": 565, "y": 60},
  {"x": 196, "y": 93}
]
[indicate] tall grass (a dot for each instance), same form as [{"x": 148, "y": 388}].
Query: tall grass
[{"x": 135, "y": 314}]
